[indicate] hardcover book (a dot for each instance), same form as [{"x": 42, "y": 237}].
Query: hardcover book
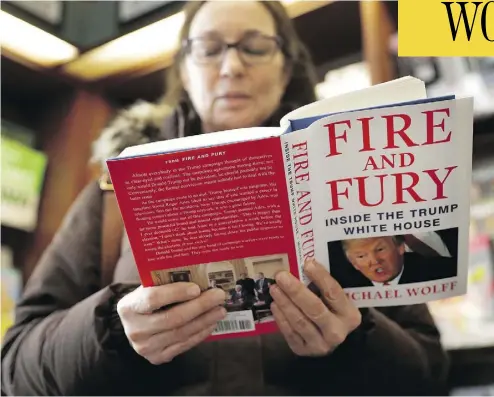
[{"x": 374, "y": 184}]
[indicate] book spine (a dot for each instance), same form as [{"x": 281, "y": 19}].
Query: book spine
[{"x": 296, "y": 160}]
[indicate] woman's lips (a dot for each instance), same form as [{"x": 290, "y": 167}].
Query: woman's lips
[{"x": 234, "y": 99}]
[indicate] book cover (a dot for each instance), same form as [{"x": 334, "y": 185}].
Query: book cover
[
  {"x": 382, "y": 198},
  {"x": 377, "y": 195}
]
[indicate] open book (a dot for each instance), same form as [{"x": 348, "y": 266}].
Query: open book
[{"x": 374, "y": 184}]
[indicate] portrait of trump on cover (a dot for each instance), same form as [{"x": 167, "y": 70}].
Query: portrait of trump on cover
[{"x": 385, "y": 261}]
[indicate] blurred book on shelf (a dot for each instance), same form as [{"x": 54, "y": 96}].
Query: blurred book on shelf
[
  {"x": 11, "y": 287},
  {"x": 482, "y": 208},
  {"x": 468, "y": 321},
  {"x": 22, "y": 175}
]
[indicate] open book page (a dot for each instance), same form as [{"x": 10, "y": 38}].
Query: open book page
[
  {"x": 201, "y": 141},
  {"x": 395, "y": 91},
  {"x": 382, "y": 199},
  {"x": 217, "y": 217}
]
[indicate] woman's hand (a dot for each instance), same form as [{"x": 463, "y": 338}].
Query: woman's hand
[
  {"x": 158, "y": 334},
  {"x": 312, "y": 326}
]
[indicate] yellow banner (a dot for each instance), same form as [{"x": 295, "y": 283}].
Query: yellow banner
[{"x": 445, "y": 28}]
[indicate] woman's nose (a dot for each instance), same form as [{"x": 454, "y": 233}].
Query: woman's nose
[{"x": 232, "y": 65}]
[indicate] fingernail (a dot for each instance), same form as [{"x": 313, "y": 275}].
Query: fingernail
[
  {"x": 283, "y": 278},
  {"x": 222, "y": 312},
  {"x": 220, "y": 295},
  {"x": 309, "y": 264},
  {"x": 193, "y": 290},
  {"x": 331, "y": 292}
]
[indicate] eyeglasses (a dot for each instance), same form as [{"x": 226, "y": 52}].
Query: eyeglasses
[{"x": 252, "y": 49}]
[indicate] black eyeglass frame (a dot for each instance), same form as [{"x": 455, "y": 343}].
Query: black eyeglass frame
[{"x": 187, "y": 44}]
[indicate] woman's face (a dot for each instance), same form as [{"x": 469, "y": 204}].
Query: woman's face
[{"x": 230, "y": 94}]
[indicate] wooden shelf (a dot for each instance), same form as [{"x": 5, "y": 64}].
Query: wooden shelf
[{"x": 65, "y": 118}]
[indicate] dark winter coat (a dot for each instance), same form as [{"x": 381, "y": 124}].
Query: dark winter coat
[{"x": 66, "y": 339}]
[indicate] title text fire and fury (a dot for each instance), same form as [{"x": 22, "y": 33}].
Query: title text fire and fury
[
  {"x": 300, "y": 160},
  {"x": 394, "y": 179}
]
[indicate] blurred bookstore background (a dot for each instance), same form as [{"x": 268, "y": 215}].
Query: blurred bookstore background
[{"x": 67, "y": 67}]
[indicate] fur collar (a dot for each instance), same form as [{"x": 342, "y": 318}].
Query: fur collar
[{"x": 140, "y": 123}]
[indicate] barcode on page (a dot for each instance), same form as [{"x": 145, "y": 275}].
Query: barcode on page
[
  {"x": 228, "y": 326},
  {"x": 235, "y": 322}
]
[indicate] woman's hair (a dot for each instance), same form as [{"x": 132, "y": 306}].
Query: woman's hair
[{"x": 301, "y": 87}]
